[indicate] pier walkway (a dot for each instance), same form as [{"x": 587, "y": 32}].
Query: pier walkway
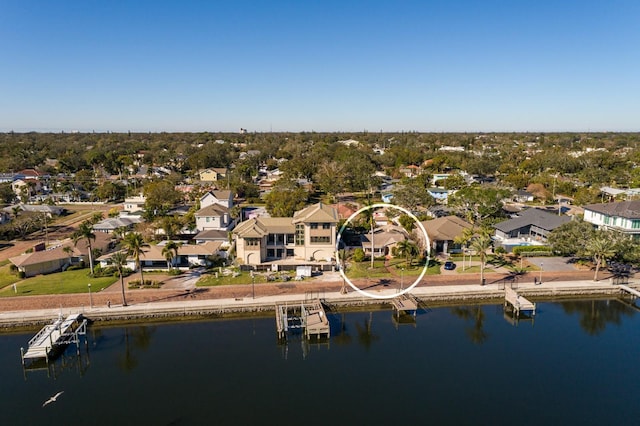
[
  {"x": 59, "y": 333},
  {"x": 432, "y": 294},
  {"x": 518, "y": 302},
  {"x": 630, "y": 290},
  {"x": 308, "y": 316},
  {"x": 405, "y": 304}
]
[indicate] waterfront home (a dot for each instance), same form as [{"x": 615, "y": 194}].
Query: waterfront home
[
  {"x": 622, "y": 217},
  {"x": 530, "y": 226},
  {"x": 385, "y": 239},
  {"x": 442, "y": 232},
  {"x": 45, "y": 260},
  {"x": 308, "y": 236},
  {"x": 188, "y": 256}
]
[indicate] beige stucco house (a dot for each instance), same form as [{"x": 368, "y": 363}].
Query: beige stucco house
[{"x": 309, "y": 236}]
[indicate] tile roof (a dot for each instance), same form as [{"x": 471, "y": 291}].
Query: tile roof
[{"x": 316, "y": 213}]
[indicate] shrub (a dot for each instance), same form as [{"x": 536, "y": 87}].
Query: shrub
[
  {"x": 539, "y": 250},
  {"x": 358, "y": 255},
  {"x": 21, "y": 274}
]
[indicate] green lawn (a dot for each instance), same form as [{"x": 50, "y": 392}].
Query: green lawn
[
  {"x": 210, "y": 279},
  {"x": 6, "y": 277},
  {"x": 473, "y": 269},
  {"x": 362, "y": 269},
  {"x": 61, "y": 283}
]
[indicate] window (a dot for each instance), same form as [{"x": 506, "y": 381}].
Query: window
[
  {"x": 313, "y": 225},
  {"x": 320, "y": 240},
  {"x": 299, "y": 234},
  {"x": 326, "y": 226},
  {"x": 251, "y": 242},
  {"x": 635, "y": 224},
  {"x": 208, "y": 219},
  {"x": 289, "y": 238}
]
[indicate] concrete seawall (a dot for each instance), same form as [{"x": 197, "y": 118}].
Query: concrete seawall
[{"x": 219, "y": 308}]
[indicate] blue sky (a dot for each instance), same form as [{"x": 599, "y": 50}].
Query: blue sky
[{"x": 524, "y": 65}]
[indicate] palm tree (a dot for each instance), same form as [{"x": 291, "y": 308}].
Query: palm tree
[
  {"x": 463, "y": 239},
  {"x": 134, "y": 243},
  {"x": 119, "y": 260},
  {"x": 85, "y": 231},
  {"x": 408, "y": 249},
  {"x": 68, "y": 250},
  {"x": 600, "y": 248},
  {"x": 170, "y": 252},
  {"x": 480, "y": 245}
]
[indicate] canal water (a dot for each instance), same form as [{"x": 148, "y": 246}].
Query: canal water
[{"x": 577, "y": 364}]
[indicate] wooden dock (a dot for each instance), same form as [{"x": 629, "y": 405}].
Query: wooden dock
[
  {"x": 52, "y": 337},
  {"x": 308, "y": 316},
  {"x": 631, "y": 291},
  {"x": 518, "y": 302},
  {"x": 405, "y": 304}
]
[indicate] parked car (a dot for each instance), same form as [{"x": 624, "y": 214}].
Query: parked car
[{"x": 449, "y": 265}]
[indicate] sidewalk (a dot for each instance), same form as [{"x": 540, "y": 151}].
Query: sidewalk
[{"x": 448, "y": 294}]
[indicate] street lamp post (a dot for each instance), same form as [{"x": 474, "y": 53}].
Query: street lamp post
[
  {"x": 540, "y": 273},
  {"x": 90, "y": 297},
  {"x": 253, "y": 285}
]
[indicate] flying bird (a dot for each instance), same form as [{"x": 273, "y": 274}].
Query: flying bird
[{"x": 54, "y": 398}]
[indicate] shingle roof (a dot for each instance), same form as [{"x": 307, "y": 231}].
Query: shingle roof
[
  {"x": 316, "y": 213},
  {"x": 625, "y": 209},
  {"x": 537, "y": 217},
  {"x": 212, "y": 234},
  {"x": 212, "y": 210},
  {"x": 445, "y": 228}
]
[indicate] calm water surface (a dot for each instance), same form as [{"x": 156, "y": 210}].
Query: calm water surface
[{"x": 577, "y": 364}]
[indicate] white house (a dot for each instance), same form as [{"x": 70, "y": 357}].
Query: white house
[{"x": 623, "y": 217}]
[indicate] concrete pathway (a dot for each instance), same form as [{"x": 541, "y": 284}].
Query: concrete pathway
[{"x": 451, "y": 294}]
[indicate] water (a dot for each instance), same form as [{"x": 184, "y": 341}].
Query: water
[{"x": 577, "y": 364}]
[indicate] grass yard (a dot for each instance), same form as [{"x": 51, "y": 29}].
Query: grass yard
[
  {"x": 362, "y": 269},
  {"x": 6, "y": 277},
  {"x": 60, "y": 283},
  {"x": 210, "y": 279}
]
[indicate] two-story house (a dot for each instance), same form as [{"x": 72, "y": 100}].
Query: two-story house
[
  {"x": 623, "y": 217},
  {"x": 212, "y": 175},
  {"x": 214, "y": 211},
  {"x": 309, "y": 236}
]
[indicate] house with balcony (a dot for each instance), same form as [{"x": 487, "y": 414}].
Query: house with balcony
[
  {"x": 213, "y": 220},
  {"x": 307, "y": 238},
  {"x": 622, "y": 216}
]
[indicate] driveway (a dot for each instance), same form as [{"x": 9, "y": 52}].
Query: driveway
[{"x": 553, "y": 264}]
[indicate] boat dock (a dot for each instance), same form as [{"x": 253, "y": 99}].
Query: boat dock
[
  {"x": 308, "y": 316},
  {"x": 518, "y": 302},
  {"x": 52, "y": 337},
  {"x": 631, "y": 291},
  {"x": 405, "y": 304}
]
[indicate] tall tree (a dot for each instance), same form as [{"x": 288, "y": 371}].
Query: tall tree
[
  {"x": 170, "y": 252},
  {"x": 407, "y": 249},
  {"x": 85, "y": 232},
  {"x": 119, "y": 260},
  {"x": 601, "y": 247},
  {"x": 480, "y": 244},
  {"x": 135, "y": 245}
]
